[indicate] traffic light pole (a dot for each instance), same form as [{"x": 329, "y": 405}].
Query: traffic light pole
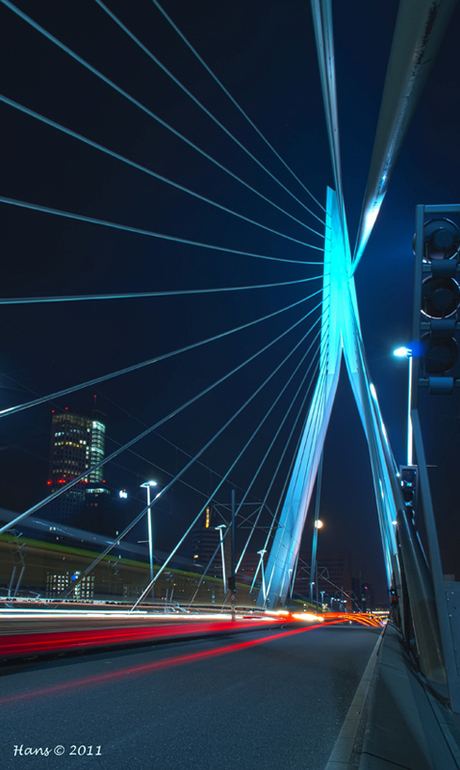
[
  {"x": 445, "y": 594},
  {"x": 448, "y": 639}
]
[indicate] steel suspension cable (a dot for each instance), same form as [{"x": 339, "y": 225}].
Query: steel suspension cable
[
  {"x": 321, "y": 367},
  {"x": 316, "y": 418},
  {"x": 196, "y": 518},
  {"x": 313, "y": 427},
  {"x": 271, "y": 446},
  {"x": 121, "y": 91},
  {"x": 139, "y": 167},
  {"x": 202, "y": 577},
  {"x": 151, "y": 233},
  {"x": 199, "y": 104},
  {"x": 160, "y": 436},
  {"x": 291, "y": 466},
  {"x": 273, "y": 477},
  {"x": 163, "y": 438},
  {"x": 224, "y": 478},
  {"x": 285, "y": 386},
  {"x": 188, "y": 465},
  {"x": 149, "y": 430},
  {"x": 317, "y": 368},
  {"x": 143, "y": 364},
  {"x": 321, "y": 377},
  {"x": 118, "y": 443},
  {"x": 147, "y": 294},
  {"x": 235, "y": 103}
]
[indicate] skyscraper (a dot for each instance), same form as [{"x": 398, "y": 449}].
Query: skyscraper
[{"x": 77, "y": 444}]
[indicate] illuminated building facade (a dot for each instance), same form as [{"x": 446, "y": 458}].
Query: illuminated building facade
[
  {"x": 77, "y": 444},
  {"x": 57, "y": 582}
]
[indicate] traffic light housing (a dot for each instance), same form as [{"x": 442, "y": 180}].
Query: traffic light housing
[
  {"x": 408, "y": 477},
  {"x": 439, "y": 305}
]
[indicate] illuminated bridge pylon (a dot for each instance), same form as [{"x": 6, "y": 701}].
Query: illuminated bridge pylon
[
  {"x": 418, "y": 36},
  {"x": 340, "y": 334}
]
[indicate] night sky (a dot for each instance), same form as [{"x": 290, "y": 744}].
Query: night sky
[{"x": 264, "y": 53}]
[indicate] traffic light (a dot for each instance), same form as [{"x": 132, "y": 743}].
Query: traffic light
[
  {"x": 408, "y": 477},
  {"x": 232, "y": 583},
  {"x": 440, "y": 303}
]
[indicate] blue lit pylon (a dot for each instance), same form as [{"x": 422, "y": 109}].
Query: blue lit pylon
[{"x": 340, "y": 333}]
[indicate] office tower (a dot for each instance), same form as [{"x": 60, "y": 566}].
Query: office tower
[{"x": 77, "y": 444}]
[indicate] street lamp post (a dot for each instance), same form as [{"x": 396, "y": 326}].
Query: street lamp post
[
  {"x": 407, "y": 353},
  {"x": 313, "y": 565},
  {"x": 147, "y": 485},
  {"x": 224, "y": 579},
  {"x": 261, "y": 565}
]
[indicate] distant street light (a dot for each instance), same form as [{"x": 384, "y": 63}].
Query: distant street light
[
  {"x": 224, "y": 578},
  {"x": 402, "y": 352},
  {"x": 407, "y": 353},
  {"x": 147, "y": 485},
  {"x": 261, "y": 565},
  {"x": 318, "y": 524}
]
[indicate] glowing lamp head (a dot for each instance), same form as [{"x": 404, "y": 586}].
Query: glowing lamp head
[
  {"x": 318, "y": 524},
  {"x": 402, "y": 352}
]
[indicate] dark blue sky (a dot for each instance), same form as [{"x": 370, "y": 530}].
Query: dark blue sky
[{"x": 264, "y": 54}]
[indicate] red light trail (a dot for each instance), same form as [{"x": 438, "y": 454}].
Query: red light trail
[
  {"x": 179, "y": 660},
  {"x": 54, "y": 641}
]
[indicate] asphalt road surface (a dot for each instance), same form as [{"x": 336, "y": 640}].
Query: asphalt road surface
[{"x": 272, "y": 700}]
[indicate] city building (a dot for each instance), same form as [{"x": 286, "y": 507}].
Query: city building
[
  {"x": 58, "y": 582},
  {"x": 334, "y": 578},
  {"x": 77, "y": 444},
  {"x": 205, "y": 540},
  {"x": 249, "y": 568},
  {"x": 365, "y": 595},
  {"x": 302, "y": 577}
]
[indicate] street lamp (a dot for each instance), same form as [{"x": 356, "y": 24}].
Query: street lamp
[
  {"x": 407, "y": 353},
  {"x": 147, "y": 485},
  {"x": 313, "y": 565},
  {"x": 224, "y": 579},
  {"x": 261, "y": 565}
]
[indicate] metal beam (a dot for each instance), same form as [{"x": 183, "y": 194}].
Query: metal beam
[
  {"x": 286, "y": 544},
  {"x": 419, "y": 30}
]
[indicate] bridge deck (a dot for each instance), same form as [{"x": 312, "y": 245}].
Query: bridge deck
[{"x": 277, "y": 698}]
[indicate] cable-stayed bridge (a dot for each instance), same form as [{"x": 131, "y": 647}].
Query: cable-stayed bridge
[{"x": 158, "y": 206}]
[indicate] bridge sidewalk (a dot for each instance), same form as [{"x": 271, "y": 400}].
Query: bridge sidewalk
[{"x": 407, "y": 727}]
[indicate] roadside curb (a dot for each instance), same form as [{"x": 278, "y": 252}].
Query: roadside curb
[
  {"x": 403, "y": 730},
  {"x": 345, "y": 744}
]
